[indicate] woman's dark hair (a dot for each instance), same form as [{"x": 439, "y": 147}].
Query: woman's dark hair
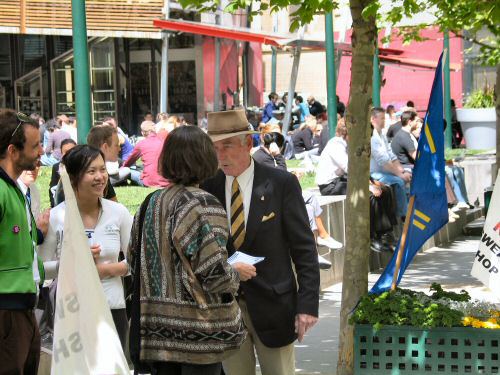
[
  {"x": 188, "y": 156},
  {"x": 12, "y": 129},
  {"x": 272, "y": 95},
  {"x": 389, "y": 108},
  {"x": 67, "y": 141},
  {"x": 275, "y": 137},
  {"x": 78, "y": 159}
]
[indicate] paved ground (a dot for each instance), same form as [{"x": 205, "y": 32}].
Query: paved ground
[{"x": 448, "y": 265}]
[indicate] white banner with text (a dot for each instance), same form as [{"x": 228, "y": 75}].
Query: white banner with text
[
  {"x": 85, "y": 338},
  {"x": 486, "y": 266}
]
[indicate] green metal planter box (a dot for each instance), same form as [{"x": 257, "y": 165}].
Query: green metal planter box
[{"x": 395, "y": 350}]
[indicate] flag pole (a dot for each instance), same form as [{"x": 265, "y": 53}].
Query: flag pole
[{"x": 402, "y": 244}]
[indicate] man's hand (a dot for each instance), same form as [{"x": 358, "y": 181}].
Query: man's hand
[
  {"x": 406, "y": 176},
  {"x": 246, "y": 271},
  {"x": 42, "y": 222},
  {"x": 376, "y": 191},
  {"x": 96, "y": 251},
  {"x": 304, "y": 322}
]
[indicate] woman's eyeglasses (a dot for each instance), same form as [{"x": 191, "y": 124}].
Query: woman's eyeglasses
[{"x": 22, "y": 118}]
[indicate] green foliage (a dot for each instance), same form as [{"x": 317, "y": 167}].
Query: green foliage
[
  {"x": 439, "y": 293},
  {"x": 484, "y": 98},
  {"x": 455, "y": 16},
  {"x": 303, "y": 12},
  {"x": 458, "y": 153},
  {"x": 464, "y": 18},
  {"x": 405, "y": 307}
]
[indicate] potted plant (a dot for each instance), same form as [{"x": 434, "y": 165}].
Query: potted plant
[
  {"x": 478, "y": 119},
  {"x": 407, "y": 332}
]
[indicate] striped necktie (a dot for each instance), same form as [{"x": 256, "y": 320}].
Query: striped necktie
[
  {"x": 237, "y": 215},
  {"x": 28, "y": 196}
]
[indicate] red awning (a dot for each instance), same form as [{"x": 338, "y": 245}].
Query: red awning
[
  {"x": 387, "y": 55},
  {"x": 217, "y": 31}
]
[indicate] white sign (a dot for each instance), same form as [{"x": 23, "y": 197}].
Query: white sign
[
  {"x": 486, "y": 266},
  {"x": 85, "y": 338}
]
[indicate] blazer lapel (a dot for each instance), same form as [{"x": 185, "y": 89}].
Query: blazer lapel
[{"x": 258, "y": 203}]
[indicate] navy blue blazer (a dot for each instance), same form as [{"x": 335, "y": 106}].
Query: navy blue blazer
[{"x": 277, "y": 229}]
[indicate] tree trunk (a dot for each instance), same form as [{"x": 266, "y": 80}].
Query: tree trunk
[
  {"x": 355, "y": 280},
  {"x": 497, "y": 100}
]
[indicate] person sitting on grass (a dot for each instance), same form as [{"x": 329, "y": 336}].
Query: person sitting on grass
[
  {"x": 149, "y": 150},
  {"x": 105, "y": 138}
]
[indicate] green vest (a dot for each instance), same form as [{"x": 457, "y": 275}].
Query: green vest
[{"x": 17, "y": 245}]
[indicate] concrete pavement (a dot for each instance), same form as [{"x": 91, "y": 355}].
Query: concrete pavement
[{"x": 448, "y": 265}]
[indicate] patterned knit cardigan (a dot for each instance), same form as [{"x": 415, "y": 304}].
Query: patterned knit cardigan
[{"x": 194, "y": 222}]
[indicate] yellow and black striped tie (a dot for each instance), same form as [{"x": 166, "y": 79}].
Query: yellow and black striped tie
[{"x": 237, "y": 215}]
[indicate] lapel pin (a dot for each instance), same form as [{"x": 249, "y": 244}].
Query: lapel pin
[{"x": 16, "y": 229}]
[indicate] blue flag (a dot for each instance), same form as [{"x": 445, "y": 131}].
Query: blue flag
[{"x": 430, "y": 209}]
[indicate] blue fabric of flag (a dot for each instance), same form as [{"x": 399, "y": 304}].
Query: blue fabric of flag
[{"x": 430, "y": 209}]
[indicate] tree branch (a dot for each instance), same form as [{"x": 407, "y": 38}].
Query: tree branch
[{"x": 475, "y": 41}]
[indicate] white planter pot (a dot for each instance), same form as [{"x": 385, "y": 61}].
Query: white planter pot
[{"x": 479, "y": 127}]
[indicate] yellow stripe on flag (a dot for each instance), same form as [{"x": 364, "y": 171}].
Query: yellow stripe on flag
[
  {"x": 418, "y": 224},
  {"x": 429, "y": 139},
  {"x": 423, "y": 216}
]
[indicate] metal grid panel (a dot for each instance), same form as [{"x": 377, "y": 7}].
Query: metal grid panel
[{"x": 411, "y": 350}]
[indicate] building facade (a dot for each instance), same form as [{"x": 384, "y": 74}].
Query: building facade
[{"x": 36, "y": 60}]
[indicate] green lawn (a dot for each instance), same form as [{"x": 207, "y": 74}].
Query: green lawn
[{"x": 132, "y": 196}]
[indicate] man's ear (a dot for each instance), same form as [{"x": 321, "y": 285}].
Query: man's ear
[
  {"x": 249, "y": 141},
  {"x": 104, "y": 147},
  {"x": 12, "y": 151}
]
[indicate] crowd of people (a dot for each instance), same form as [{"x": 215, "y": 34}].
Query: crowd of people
[
  {"x": 234, "y": 311},
  {"x": 222, "y": 187},
  {"x": 394, "y": 144}
]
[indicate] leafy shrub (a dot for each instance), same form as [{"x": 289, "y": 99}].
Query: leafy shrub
[
  {"x": 405, "y": 307},
  {"x": 484, "y": 98}
]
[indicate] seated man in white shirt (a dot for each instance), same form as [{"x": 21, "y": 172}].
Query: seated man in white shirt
[
  {"x": 105, "y": 138},
  {"x": 384, "y": 165},
  {"x": 331, "y": 174}
]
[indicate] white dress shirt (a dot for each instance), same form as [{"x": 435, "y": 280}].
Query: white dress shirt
[
  {"x": 245, "y": 180},
  {"x": 381, "y": 153},
  {"x": 333, "y": 158}
]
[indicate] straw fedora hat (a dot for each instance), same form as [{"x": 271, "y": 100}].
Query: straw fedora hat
[{"x": 227, "y": 124}]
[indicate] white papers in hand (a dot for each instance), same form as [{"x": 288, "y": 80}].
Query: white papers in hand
[{"x": 238, "y": 256}]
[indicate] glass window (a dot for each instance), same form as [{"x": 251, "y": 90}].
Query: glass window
[
  {"x": 63, "y": 86},
  {"x": 101, "y": 81},
  {"x": 29, "y": 93}
]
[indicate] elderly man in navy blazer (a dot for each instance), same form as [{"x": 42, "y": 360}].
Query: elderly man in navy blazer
[{"x": 267, "y": 218}]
